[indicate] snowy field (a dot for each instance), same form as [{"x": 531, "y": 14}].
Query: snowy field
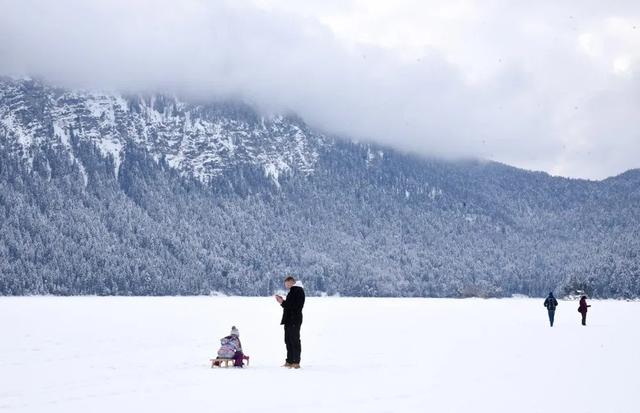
[{"x": 90, "y": 354}]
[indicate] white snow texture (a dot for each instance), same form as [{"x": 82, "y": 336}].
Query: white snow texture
[{"x": 90, "y": 354}]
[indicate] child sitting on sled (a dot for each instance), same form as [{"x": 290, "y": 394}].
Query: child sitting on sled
[{"x": 231, "y": 348}]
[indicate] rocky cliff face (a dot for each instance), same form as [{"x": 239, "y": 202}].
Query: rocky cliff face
[{"x": 198, "y": 140}]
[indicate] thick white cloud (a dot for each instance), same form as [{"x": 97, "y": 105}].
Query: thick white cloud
[{"x": 550, "y": 85}]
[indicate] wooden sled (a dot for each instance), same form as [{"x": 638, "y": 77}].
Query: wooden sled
[{"x": 218, "y": 362}]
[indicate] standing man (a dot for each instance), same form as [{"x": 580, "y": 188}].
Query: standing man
[
  {"x": 551, "y": 303},
  {"x": 292, "y": 320}
]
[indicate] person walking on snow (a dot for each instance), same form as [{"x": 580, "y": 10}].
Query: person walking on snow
[
  {"x": 292, "y": 320},
  {"x": 583, "y": 308},
  {"x": 551, "y": 303}
]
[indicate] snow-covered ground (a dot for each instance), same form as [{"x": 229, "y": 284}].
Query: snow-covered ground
[{"x": 90, "y": 354}]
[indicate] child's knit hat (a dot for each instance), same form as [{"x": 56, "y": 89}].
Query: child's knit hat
[{"x": 235, "y": 332}]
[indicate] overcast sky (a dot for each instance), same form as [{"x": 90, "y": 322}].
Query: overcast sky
[{"x": 546, "y": 85}]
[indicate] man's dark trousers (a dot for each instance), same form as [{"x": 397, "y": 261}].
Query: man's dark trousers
[
  {"x": 552, "y": 314},
  {"x": 292, "y": 340}
]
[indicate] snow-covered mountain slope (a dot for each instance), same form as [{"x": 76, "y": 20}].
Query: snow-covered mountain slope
[
  {"x": 97, "y": 196},
  {"x": 198, "y": 140}
]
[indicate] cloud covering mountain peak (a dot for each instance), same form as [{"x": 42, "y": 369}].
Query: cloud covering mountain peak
[{"x": 548, "y": 87}]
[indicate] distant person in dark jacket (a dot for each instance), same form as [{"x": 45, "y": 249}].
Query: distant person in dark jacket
[
  {"x": 551, "y": 303},
  {"x": 292, "y": 320},
  {"x": 583, "y": 308}
]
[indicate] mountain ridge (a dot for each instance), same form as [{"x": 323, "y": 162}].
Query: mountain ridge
[
  {"x": 199, "y": 140},
  {"x": 106, "y": 194}
]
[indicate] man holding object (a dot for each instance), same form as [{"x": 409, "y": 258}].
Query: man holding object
[{"x": 292, "y": 320}]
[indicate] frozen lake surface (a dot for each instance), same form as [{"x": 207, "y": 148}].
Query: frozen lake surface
[{"x": 94, "y": 354}]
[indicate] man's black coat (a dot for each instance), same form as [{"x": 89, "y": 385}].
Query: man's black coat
[{"x": 292, "y": 306}]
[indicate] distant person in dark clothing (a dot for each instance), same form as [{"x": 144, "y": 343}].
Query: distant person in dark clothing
[
  {"x": 551, "y": 303},
  {"x": 292, "y": 320},
  {"x": 583, "y": 308}
]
